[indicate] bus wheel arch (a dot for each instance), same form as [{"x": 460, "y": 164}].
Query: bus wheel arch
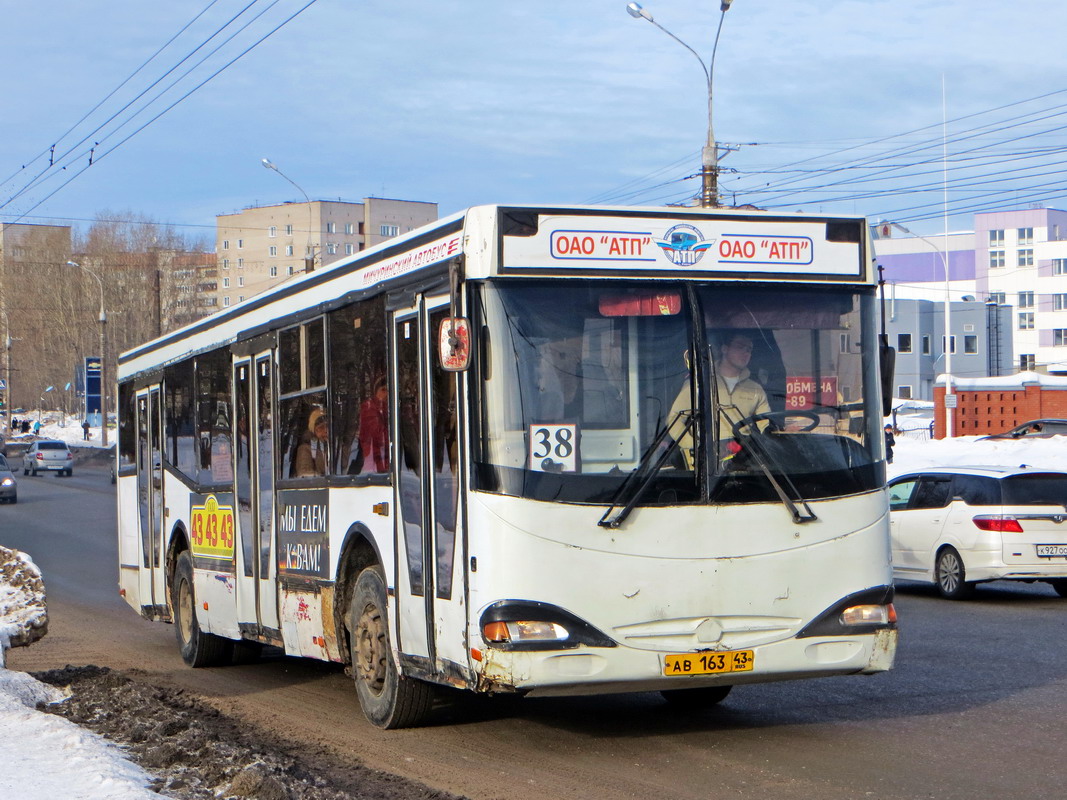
[
  {"x": 177, "y": 544},
  {"x": 198, "y": 649},
  {"x": 357, "y": 553}
]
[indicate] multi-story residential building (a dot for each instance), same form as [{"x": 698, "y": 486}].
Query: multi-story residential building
[
  {"x": 981, "y": 343},
  {"x": 1014, "y": 259},
  {"x": 262, "y": 246},
  {"x": 187, "y": 290}
]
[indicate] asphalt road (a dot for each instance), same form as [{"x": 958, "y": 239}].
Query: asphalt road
[{"x": 975, "y": 707}]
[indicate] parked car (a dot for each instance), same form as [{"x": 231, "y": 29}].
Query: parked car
[
  {"x": 957, "y": 526},
  {"x": 48, "y": 455},
  {"x": 1040, "y": 428},
  {"x": 9, "y": 488}
]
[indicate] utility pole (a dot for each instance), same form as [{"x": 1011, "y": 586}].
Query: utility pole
[{"x": 709, "y": 154}]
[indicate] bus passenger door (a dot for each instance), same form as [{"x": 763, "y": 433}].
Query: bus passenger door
[
  {"x": 430, "y": 589},
  {"x": 257, "y": 598},
  {"x": 153, "y": 588}
]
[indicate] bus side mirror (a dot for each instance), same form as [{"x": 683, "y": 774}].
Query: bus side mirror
[
  {"x": 454, "y": 344},
  {"x": 887, "y": 359}
]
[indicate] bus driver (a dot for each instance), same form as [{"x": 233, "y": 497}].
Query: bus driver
[{"x": 739, "y": 396}]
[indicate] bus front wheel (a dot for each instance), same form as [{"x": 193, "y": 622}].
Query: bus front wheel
[
  {"x": 388, "y": 699},
  {"x": 198, "y": 649}
]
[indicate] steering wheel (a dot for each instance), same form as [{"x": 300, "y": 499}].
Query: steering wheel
[{"x": 776, "y": 420}]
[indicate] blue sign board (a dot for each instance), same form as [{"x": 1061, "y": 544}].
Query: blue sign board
[{"x": 93, "y": 401}]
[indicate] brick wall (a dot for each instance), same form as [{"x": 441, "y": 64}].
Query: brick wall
[{"x": 984, "y": 411}]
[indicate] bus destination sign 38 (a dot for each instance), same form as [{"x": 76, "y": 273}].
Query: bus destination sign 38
[{"x": 729, "y": 245}]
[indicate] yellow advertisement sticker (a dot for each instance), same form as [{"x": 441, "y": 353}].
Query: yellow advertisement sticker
[{"x": 213, "y": 529}]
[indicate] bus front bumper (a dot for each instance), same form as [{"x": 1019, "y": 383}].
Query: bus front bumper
[{"x": 591, "y": 670}]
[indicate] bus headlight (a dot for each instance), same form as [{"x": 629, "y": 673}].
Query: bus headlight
[
  {"x": 866, "y": 611},
  {"x": 531, "y": 625},
  {"x": 869, "y": 615},
  {"x": 524, "y": 631}
]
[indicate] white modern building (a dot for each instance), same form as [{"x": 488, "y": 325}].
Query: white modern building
[{"x": 1014, "y": 259}]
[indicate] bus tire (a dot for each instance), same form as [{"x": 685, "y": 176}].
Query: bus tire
[
  {"x": 198, "y": 649},
  {"x": 704, "y": 697},
  {"x": 389, "y": 699},
  {"x": 951, "y": 576}
]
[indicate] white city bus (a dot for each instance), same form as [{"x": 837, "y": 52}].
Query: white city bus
[{"x": 495, "y": 454}]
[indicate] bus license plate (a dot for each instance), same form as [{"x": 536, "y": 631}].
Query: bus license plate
[
  {"x": 708, "y": 663},
  {"x": 1052, "y": 550}
]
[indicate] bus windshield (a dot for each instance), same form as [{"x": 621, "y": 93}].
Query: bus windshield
[{"x": 718, "y": 393}]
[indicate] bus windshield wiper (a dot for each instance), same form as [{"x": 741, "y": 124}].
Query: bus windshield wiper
[
  {"x": 756, "y": 446},
  {"x": 646, "y": 470}
]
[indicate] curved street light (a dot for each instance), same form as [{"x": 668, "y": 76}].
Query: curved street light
[
  {"x": 309, "y": 260},
  {"x": 103, "y": 353},
  {"x": 709, "y": 161}
]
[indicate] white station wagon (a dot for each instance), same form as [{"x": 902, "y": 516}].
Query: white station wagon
[{"x": 957, "y": 526}]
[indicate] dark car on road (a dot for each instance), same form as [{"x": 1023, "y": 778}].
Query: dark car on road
[
  {"x": 48, "y": 455},
  {"x": 9, "y": 489},
  {"x": 1035, "y": 428}
]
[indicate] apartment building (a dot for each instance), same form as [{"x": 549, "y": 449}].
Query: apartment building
[
  {"x": 262, "y": 246},
  {"x": 1012, "y": 259},
  {"x": 981, "y": 343}
]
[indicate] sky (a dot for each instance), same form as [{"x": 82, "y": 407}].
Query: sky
[
  {"x": 550, "y": 102},
  {"x": 43, "y": 757}
]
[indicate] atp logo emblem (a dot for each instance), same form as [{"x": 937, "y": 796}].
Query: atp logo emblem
[{"x": 684, "y": 245}]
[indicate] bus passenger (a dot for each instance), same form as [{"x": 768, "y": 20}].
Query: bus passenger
[
  {"x": 374, "y": 429},
  {"x": 311, "y": 454}
]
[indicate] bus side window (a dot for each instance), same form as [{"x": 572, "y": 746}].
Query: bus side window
[
  {"x": 303, "y": 446},
  {"x": 359, "y": 424}
]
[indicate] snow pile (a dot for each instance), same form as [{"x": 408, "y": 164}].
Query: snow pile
[
  {"x": 23, "y": 614},
  {"x": 43, "y": 757}
]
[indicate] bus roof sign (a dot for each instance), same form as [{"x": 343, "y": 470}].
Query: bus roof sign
[{"x": 768, "y": 246}]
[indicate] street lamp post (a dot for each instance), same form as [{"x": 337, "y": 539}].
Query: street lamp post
[
  {"x": 309, "y": 260},
  {"x": 950, "y": 398},
  {"x": 709, "y": 156},
  {"x": 43, "y": 401},
  {"x": 103, "y": 353}
]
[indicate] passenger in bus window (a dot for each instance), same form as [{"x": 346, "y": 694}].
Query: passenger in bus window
[
  {"x": 311, "y": 454},
  {"x": 374, "y": 429}
]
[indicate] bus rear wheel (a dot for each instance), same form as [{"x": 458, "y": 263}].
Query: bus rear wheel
[
  {"x": 704, "y": 697},
  {"x": 198, "y": 649},
  {"x": 388, "y": 699}
]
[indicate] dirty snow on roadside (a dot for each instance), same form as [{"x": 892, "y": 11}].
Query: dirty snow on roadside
[{"x": 45, "y": 757}]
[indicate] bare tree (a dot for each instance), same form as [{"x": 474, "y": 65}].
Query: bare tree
[{"x": 52, "y": 308}]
